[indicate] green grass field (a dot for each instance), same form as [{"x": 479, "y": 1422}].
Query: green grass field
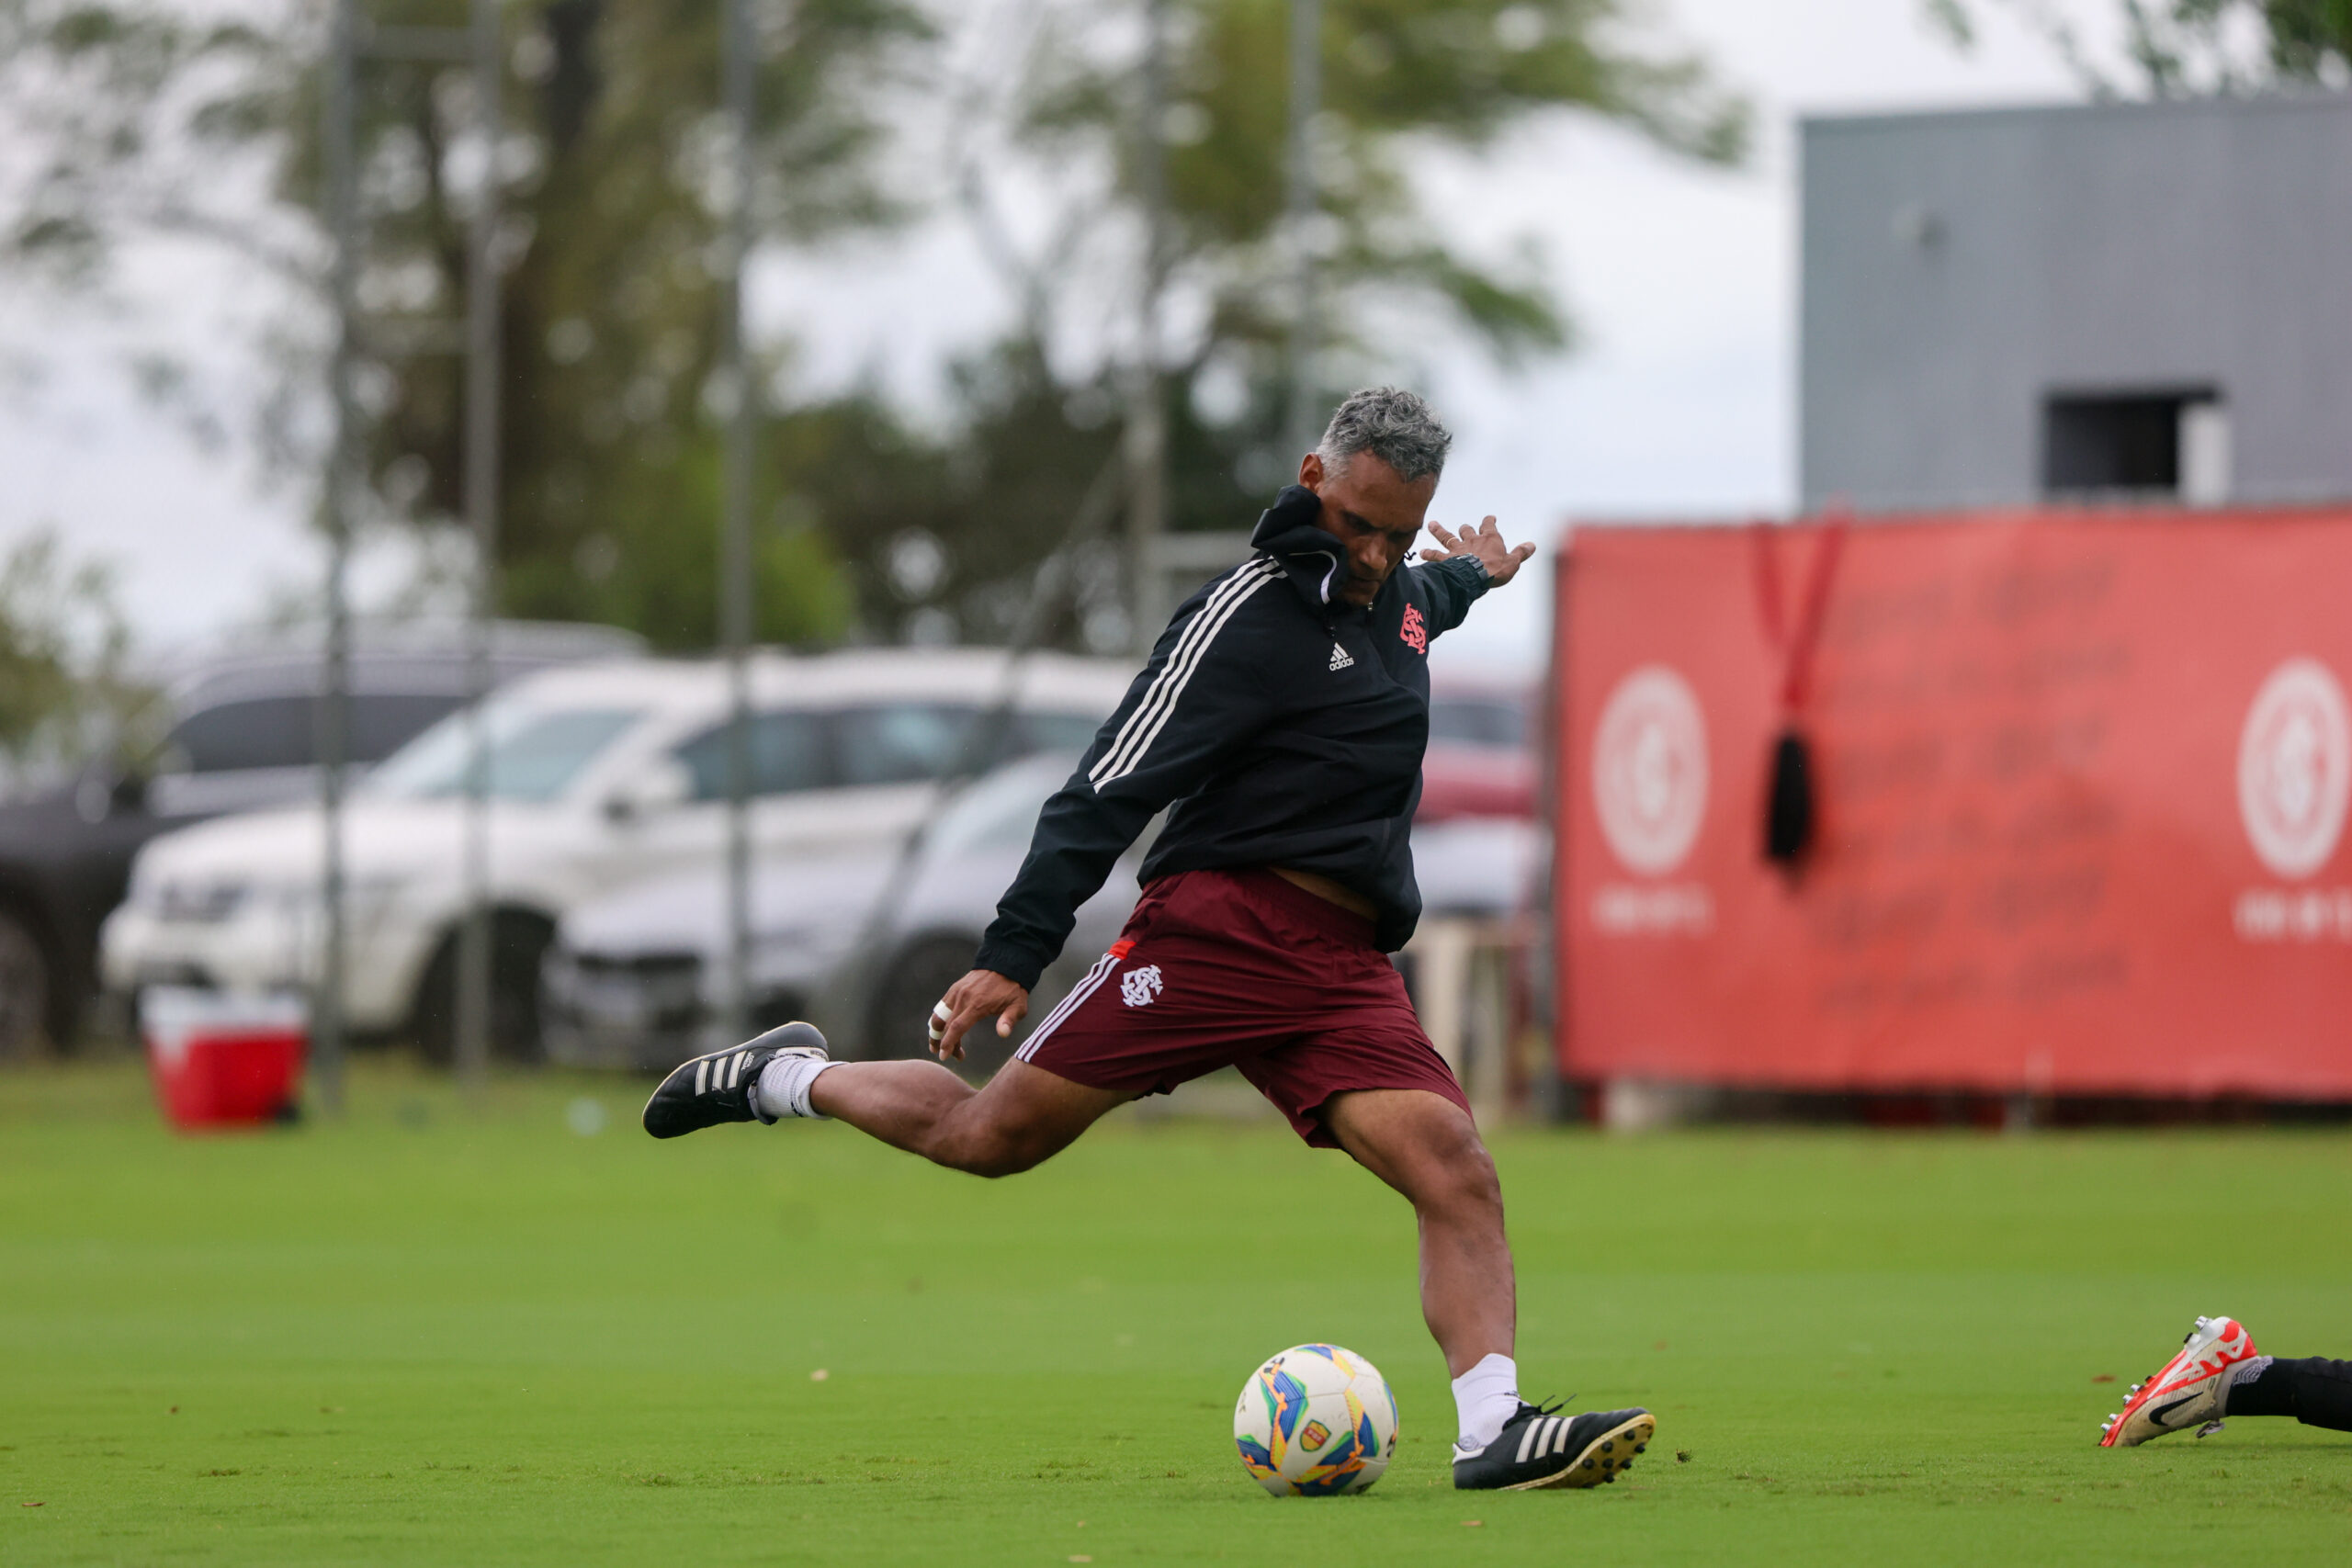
[{"x": 457, "y": 1332}]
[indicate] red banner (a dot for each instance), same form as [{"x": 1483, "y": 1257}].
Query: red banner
[{"x": 2080, "y": 788}]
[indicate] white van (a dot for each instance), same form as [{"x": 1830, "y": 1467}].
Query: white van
[{"x": 600, "y": 775}]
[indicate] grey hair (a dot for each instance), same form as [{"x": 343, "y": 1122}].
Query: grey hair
[{"x": 1391, "y": 423}]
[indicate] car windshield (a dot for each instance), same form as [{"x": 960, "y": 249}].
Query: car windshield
[{"x": 536, "y": 751}]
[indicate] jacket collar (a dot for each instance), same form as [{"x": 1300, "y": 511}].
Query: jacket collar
[{"x": 1314, "y": 560}]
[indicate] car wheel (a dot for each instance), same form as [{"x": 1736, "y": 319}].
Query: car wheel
[
  {"x": 24, "y": 992},
  {"x": 518, "y": 941},
  {"x": 916, "y": 979}
]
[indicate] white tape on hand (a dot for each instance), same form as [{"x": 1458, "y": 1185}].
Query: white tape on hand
[{"x": 939, "y": 1017}]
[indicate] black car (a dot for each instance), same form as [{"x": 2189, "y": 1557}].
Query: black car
[{"x": 242, "y": 736}]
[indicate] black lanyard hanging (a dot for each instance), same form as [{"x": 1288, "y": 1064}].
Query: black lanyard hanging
[{"x": 1789, "y": 797}]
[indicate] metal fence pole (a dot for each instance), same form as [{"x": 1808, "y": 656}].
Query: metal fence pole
[
  {"x": 1147, "y": 431},
  {"x": 735, "y": 544},
  {"x": 482, "y": 291},
  {"x": 1304, "y": 425},
  {"x": 333, "y": 712}
]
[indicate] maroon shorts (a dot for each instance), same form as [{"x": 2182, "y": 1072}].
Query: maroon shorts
[{"x": 1242, "y": 969}]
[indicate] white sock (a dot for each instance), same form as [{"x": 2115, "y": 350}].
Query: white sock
[
  {"x": 783, "y": 1089},
  {"x": 1486, "y": 1396}
]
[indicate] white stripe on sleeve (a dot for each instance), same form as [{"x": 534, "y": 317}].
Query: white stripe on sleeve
[
  {"x": 1134, "y": 753},
  {"x": 1143, "y": 724}
]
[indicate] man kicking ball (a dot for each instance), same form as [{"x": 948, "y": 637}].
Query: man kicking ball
[{"x": 1282, "y": 721}]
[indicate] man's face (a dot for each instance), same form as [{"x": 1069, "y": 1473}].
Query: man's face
[{"x": 1377, "y": 514}]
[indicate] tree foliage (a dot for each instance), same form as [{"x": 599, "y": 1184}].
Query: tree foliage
[
  {"x": 612, "y": 309},
  {"x": 1398, "y": 75},
  {"x": 610, "y": 180},
  {"x": 1401, "y": 80},
  {"x": 2187, "y": 46},
  {"x": 609, "y": 167},
  {"x": 65, "y": 687}
]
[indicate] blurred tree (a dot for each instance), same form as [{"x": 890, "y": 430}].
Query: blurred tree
[
  {"x": 609, "y": 169},
  {"x": 1047, "y": 120},
  {"x": 146, "y": 120},
  {"x": 2183, "y": 48},
  {"x": 65, "y": 691}
]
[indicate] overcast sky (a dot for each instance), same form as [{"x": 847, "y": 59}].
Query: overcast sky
[{"x": 1678, "y": 403}]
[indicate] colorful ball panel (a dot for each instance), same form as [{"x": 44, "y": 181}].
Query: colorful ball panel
[{"x": 1314, "y": 1421}]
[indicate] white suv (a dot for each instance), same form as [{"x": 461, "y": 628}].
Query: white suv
[{"x": 600, "y": 775}]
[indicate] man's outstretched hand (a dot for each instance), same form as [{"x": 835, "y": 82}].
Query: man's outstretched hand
[
  {"x": 970, "y": 999},
  {"x": 1485, "y": 544}
]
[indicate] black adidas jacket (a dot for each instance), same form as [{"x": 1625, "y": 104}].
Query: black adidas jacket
[{"x": 1286, "y": 725}]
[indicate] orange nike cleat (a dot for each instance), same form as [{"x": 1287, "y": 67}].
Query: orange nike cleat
[{"x": 2192, "y": 1390}]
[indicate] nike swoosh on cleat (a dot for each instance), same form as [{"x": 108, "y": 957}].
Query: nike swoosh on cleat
[{"x": 2157, "y": 1414}]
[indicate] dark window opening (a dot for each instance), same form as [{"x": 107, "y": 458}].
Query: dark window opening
[
  {"x": 789, "y": 752},
  {"x": 905, "y": 742},
  {"x": 882, "y": 743},
  {"x": 282, "y": 732},
  {"x": 2115, "y": 441},
  {"x": 383, "y": 722}
]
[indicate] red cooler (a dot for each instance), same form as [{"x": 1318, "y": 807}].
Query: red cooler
[{"x": 222, "y": 1059}]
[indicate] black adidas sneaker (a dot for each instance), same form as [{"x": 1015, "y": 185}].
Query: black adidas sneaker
[
  {"x": 1540, "y": 1448},
  {"x": 710, "y": 1089}
]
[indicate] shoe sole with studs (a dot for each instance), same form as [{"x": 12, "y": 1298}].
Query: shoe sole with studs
[{"x": 1602, "y": 1460}]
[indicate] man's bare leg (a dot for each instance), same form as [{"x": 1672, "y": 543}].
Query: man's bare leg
[
  {"x": 1024, "y": 1117},
  {"x": 1425, "y": 1147}
]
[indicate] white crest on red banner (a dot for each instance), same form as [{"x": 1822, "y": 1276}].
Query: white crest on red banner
[
  {"x": 1649, "y": 770},
  {"x": 2295, "y": 768}
]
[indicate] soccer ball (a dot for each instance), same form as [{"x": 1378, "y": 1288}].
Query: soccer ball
[{"x": 1316, "y": 1421}]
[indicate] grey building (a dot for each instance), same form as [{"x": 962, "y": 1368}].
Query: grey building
[{"x": 2026, "y": 304}]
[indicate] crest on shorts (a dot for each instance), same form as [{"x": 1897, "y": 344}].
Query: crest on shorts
[{"x": 1139, "y": 987}]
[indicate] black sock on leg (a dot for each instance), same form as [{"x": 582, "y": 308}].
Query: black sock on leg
[{"x": 2316, "y": 1392}]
